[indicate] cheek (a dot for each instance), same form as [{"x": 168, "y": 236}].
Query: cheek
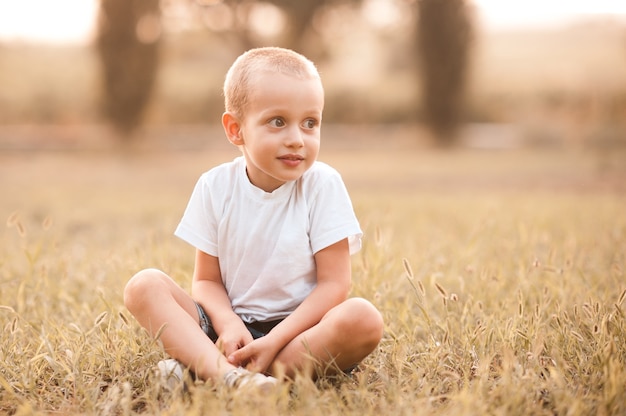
[
  {"x": 263, "y": 149},
  {"x": 314, "y": 144}
]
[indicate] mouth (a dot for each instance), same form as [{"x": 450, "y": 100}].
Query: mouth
[{"x": 291, "y": 160}]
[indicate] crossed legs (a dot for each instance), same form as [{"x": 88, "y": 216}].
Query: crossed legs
[{"x": 344, "y": 336}]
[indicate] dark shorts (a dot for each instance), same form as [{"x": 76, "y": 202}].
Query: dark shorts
[{"x": 257, "y": 329}]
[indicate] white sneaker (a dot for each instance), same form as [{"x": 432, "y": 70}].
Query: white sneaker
[
  {"x": 240, "y": 378},
  {"x": 171, "y": 372}
]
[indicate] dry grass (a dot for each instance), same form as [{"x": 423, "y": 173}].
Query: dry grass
[{"x": 500, "y": 277}]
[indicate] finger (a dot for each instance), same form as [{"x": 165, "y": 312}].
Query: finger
[
  {"x": 238, "y": 357},
  {"x": 233, "y": 358}
]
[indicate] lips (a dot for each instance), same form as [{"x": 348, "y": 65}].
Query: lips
[
  {"x": 291, "y": 160},
  {"x": 291, "y": 157}
]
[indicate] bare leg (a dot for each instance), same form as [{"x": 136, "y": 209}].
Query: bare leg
[
  {"x": 156, "y": 300},
  {"x": 345, "y": 336}
]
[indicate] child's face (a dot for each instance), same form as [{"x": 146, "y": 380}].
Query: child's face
[{"x": 280, "y": 132}]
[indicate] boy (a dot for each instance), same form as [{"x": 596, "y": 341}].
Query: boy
[{"x": 273, "y": 231}]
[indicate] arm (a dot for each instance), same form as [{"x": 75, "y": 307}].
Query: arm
[
  {"x": 333, "y": 286},
  {"x": 208, "y": 290}
]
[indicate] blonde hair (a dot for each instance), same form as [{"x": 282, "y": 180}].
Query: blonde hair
[{"x": 273, "y": 59}]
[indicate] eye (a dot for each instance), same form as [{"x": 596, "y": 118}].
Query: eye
[
  {"x": 277, "y": 122},
  {"x": 309, "y": 123}
]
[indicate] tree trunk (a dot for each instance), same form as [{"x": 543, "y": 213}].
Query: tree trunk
[
  {"x": 128, "y": 47},
  {"x": 443, "y": 39}
]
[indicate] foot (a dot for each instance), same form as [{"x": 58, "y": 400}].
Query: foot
[
  {"x": 240, "y": 378},
  {"x": 171, "y": 373}
]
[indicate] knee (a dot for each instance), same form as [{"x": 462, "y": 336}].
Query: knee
[
  {"x": 140, "y": 287},
  {"x": 363, "y": 321}
]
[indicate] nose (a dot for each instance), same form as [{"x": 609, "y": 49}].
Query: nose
[{"x": 294, "y": 138}]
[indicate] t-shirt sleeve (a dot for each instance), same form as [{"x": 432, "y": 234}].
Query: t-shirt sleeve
[
  {"x": 198, "y": 224},
  {"x": 332, "y": 216}
]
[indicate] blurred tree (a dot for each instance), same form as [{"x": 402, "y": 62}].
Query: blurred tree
[
  {"x": 128, "y": 46},
  {"x": 443, "y": 37},
  {"x": 295, "y": 34},
  {"x": 300, "y": 15}
]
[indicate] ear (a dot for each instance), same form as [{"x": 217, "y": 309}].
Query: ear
[{"x": 232, "y": 128}]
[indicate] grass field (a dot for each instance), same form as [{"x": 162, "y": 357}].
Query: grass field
[{"x": 500, "y": 276}]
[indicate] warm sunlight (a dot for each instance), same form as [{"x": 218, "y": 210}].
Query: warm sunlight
[
  {"x": 63, "y": 21},
  {"x": 57, "y": 21},
  {"x": 501, "y": 14}
]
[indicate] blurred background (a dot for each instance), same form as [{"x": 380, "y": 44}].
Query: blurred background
[{"x": 479, "y": 73}]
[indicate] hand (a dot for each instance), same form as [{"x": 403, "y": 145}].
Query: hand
[
  {"x": 233, "y": 337},
  {"x": 257, "y": 355}
]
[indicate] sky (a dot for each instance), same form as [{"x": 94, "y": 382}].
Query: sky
[
  {"x": 50, "y": 21},
  {"x": 72, "y": 21},
  {"x": 499, "y": 14}
]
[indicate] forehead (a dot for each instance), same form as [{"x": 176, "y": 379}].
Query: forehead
[{"x": 276, "y": 88}]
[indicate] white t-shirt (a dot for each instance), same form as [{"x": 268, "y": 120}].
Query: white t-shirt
[{"x": 265, "y": 242}]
